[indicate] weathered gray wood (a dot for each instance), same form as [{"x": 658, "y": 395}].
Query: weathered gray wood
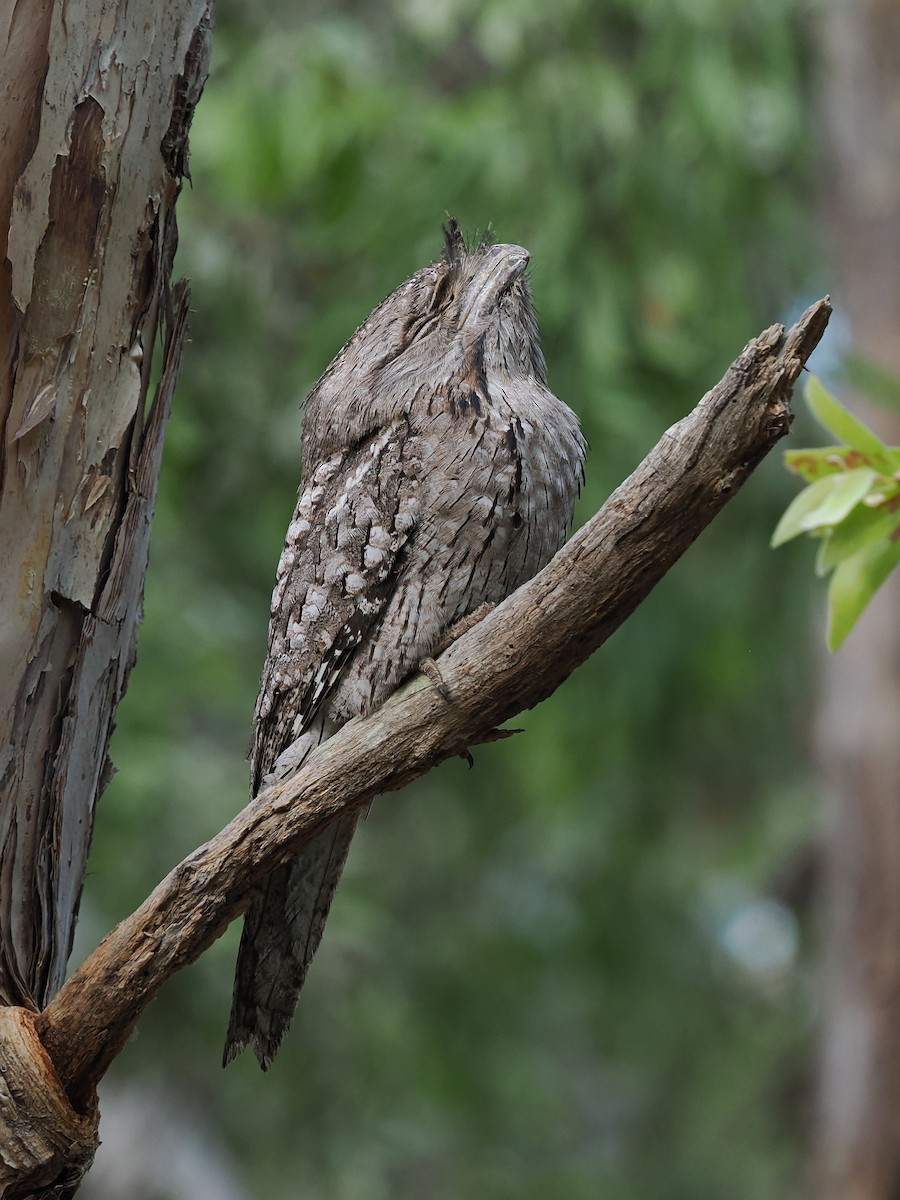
[
  {"x": 90, "y": 169},
  {"x": 511, "y": 660},
  {"x": 44, "y": 1143}
]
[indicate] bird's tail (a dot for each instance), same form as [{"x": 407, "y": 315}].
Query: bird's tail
[{"x": 282, "y": 930}]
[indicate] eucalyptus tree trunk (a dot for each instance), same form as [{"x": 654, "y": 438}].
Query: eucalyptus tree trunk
[
  {"x": 96, "y": 102},
  {"x": 858, "y": 1133}
]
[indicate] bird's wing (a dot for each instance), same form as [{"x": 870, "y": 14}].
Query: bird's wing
[
  {"x": 352, "y": 521},
  {"x": 339, "y": 566}
]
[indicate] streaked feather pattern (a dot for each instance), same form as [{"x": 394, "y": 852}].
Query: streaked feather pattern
[{"x": 439, "y": 473}]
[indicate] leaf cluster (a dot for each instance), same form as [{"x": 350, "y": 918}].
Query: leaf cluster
[{"x": 851, "y": 504}]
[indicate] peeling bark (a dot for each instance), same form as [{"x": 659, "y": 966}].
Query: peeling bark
[{"x": 97, "y": 99}]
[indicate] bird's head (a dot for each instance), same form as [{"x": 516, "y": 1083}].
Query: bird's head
[
  {"x": 478, "y": 299},
  {"x": 469, "y": 312}
]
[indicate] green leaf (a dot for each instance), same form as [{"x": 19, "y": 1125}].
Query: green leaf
[
  {"x": 819, "y": 461},
  {"x": 845, "y": 493},
  {"x": 824, "y": 503},
  {"x": 853, "y": 584},
  {"x": 803, "y": 503},
  {"x": 829, "y": 411},
  {"x": 860, "y": 528}
]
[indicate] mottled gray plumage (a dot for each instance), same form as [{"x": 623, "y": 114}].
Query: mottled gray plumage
[{"x": 439, "y": 473}]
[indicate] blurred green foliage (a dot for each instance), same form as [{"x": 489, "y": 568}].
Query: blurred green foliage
[{"x": 581, "y": 968}]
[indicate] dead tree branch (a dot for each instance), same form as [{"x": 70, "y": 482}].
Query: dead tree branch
[{"x": 516, "y": 657}]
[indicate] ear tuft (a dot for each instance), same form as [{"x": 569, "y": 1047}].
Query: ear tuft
[
  {"x": 487, "y": 238},
  {"x": 454, "y": 242}
]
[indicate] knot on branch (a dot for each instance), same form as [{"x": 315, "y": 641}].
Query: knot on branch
[{"x": 45, "y": 1145}]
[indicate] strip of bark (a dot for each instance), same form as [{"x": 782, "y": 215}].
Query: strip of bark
[{"x": 516, "y": 657}]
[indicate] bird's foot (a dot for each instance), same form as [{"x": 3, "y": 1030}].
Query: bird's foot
[
  {"x": 429, "y": 667},
  {"x": 463, "y": 625},
  {"x": 432, "y": 671}
]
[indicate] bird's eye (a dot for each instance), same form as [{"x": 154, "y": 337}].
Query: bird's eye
[
  {"x": 441, "y": 292},
  {"x": 425, "y": 321}
]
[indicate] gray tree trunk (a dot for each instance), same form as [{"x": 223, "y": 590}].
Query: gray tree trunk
[
  {"x": 858, "y": 1128},
  {"x": 96, "y": 99},
  {"x": 96, "y": 102}
]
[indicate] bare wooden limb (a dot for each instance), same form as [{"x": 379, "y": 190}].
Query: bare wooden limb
[
  {"x": 44, "y": 1143},
  {"x": 511, "y": 660}
]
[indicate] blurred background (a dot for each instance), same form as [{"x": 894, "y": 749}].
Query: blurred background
[{"x": 591, "y": 966}]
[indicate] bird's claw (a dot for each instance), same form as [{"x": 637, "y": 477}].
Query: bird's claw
[{"x": 432, "y": 671}]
